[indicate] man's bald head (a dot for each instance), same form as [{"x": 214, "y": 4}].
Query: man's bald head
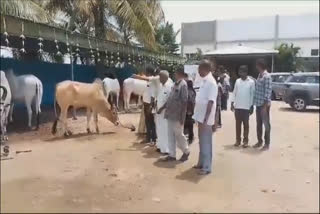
[{"x": 164, "y": 76}]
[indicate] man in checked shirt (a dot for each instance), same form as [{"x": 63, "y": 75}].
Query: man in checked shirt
[{"x": 262, "y": 101}]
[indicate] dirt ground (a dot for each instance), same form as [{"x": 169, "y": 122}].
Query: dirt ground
[{"x": 112, "y": 172}]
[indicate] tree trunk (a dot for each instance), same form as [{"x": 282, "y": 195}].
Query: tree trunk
[
  {"x": 126, "y": 37},
  {"x": 100, "y": 31}
]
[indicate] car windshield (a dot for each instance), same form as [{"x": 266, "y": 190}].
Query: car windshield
[
  {"x": 280, "y": 78},
  {"x": 297, "y": 79}
]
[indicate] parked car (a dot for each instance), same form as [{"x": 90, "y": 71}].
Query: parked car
[
  {"x": 302, "y": 90},
  {"x": 278, "y": 80}
]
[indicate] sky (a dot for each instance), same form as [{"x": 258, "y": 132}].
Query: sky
[{"x": 178, "y": 11}]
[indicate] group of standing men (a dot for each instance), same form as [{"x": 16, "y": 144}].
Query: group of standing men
[
  {"x": 170, "y": 109},
  {"x": 248, "y": 93}
]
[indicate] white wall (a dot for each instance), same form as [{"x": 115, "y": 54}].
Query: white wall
[
  {"x": 193, "y": 48},
  {"x": 299, "y": 26},
  {"x": 246, "y": 29},
  {"x": 254, "y": 44},
  {"x": 301, "y": 30}
]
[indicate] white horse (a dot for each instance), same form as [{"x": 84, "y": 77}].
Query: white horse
[
  {"x": 133, "y": 86},
  {"x": 111, "y": 86},
  {"x": 5, "y": 100},
  {"x": 26, "y": 89}
]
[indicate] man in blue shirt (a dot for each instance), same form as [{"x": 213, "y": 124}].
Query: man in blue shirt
[{"x": 262, "y": 101}]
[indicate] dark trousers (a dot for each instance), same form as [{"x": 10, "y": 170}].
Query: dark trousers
[
  {"x": 263, "y": 117},
  {"x": 242, "y": 116},
  {"x": 188, "y": 127},
  {"x": 224, "y": 102},
  {"x": 218, "y": 115},
  {"x": 150, "y": 124}
]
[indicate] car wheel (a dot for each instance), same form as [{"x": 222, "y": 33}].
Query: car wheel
[
  {"x": 273, "y": 96},
  {"x": 299, "y": 103}
]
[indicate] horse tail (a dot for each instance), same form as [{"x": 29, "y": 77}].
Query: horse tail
[
  {"x": 104, "y": 88},
  {"x": 55, "y": 106},
  {"x": 38, "y": 96}
]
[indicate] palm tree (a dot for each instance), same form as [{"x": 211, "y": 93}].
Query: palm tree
[
  {"x": 138, "y": 19},
  {"x": 122, "y": 18},
  {"x": 27, "y": 9}
]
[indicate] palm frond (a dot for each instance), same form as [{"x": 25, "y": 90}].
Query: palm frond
[{"x": 27, "y": 9}]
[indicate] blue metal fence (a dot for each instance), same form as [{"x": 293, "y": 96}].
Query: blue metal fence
[{"x": 51, "y": 73}]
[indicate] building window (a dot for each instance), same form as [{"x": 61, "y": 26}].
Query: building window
[{"x": 314, "y": 52}]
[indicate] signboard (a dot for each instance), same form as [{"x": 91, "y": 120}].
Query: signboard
[{"x": 192, "y": 71}]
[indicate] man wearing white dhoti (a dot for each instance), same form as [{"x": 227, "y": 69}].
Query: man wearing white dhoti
[{"x": 162, "y": 123}]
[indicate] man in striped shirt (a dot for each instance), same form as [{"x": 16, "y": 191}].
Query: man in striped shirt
[{"x": 262, "y": 101}]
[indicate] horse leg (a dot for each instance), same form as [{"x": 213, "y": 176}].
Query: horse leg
[
  {"x": 11, "y": 112},
  {"x": 74, "y": 116},
  {"x": 125, "y": 101},
  {"x": 107, "y": 96},
  {"x": 29, "y": 110},
  {"x": 88, "y": 120},
  {"x": 96, "y": 122},
  {"x": 37, "y": 111},
  {"x": 128, "y": 101},
  {"x": 63, "y": 118},
  {"x": 139, "y": 100},
  {"x": 118, "y": 99}
]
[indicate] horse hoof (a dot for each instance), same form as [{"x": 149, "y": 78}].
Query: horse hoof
[
  {"x": 97, "y": 130},
  {"x": 89, "y": 131},
  {"x": 69, "y": 133},
  {"x": 6, "y": 149},
  {"x": 75, "y": 118}
]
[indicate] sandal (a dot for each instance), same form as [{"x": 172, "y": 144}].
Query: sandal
[{"x": 168, "y": 158}]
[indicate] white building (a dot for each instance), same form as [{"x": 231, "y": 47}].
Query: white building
[{"x": 260, "y": 32}]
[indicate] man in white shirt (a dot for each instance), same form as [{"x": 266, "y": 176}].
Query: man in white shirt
[
  {"x": 162, "y": 123},
  {"x": 204, "y": 115},
  {"x": 242, "y": 104}
]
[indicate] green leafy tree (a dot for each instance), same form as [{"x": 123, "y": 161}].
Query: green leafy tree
[
  {"x": 166, "y": 38},
  {"x": 287, "y": 60}
]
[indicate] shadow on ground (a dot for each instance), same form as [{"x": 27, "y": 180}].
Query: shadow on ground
[
  {"x": 190, "y": 175},
  {"x": 310, "y": 110},
  {"x": 74, "y": 136}
]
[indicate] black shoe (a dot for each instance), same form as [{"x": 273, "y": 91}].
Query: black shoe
[
  {"x": 265, "y": 147},
  {"x": 184, "y": 157},
  {"x": 257, "y": 145},
  {"x": 168, "y": 158},
  {"x": 237, "y": 144}
]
